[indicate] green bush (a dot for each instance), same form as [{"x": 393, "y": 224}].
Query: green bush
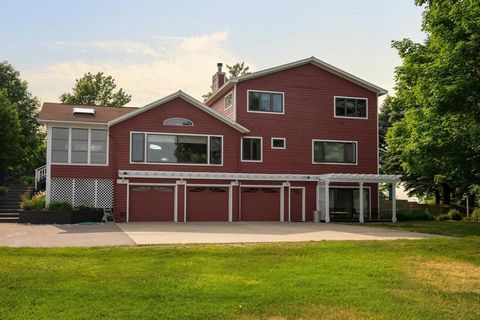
[
  {"x": 408, "y": 215},
  {"x": 36, "y": 202},
  {"x": 474, "y": 216},
  {"x": 27, "y": 180},
  {"x": 443, "y": 217},
  {"x": 3, "y": 190},
  {"x": 61, "y": 206},
  {"x": 454, "y": 214}
]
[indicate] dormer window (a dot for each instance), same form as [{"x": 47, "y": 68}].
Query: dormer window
[{"x": 178, "y": 122}]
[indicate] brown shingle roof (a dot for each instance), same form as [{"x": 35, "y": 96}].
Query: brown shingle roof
[{"x": 64, "y": 112}]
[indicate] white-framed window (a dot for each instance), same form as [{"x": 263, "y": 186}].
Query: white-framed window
[
  {"x": 176, "y": 121},
  {"x": 174, "y": 148},
  {"x": 79, "y": 146},
  {"x": 266, "y": 101},
  {"x": 228, "y": 100},
  {"x": 334, "y": 152},
  {"x": 350, "y": 107},
  {"x": 251, "y": 149},
  {"x": 279, "y": 143}
]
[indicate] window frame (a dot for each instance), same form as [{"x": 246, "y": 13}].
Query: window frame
[
  {"x": 261, "y": 148},
  {"x": 145, "y": 162},
  {"x": 230, "y": 94},
  {"x": 335, "y": 163},
  {"x": 266, "y": 91},
  {"x": 69, "y": 162},
  {"x": 278, "y": 138},
  {"x": 348, "y": 117},
  {"x": 177, "y": 125}
]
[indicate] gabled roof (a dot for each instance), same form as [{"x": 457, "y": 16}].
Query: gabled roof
[
  {"x": 312, "y": 60},
  {"x": 60, "y": 112},
  {"x": 189, "y": 99}
]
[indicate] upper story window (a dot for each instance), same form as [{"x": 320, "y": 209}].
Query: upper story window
[
  {"x": 252, "y": 149},
  {"x": 178, "y": 122},
  {"x": 79, "y": 146},
  {"x": 265, "y": 101},
  {"x": 348, "y": 107},
  {"x": 176, "y": 149},
  {"x": 334, "y": 152},
  {"x": 228, "y": 100}
]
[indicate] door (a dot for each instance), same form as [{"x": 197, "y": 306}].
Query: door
[
  {"x": 207, "y": 203},
  {"x": 260, "y": 204},
  {"x": 151, "y": 203},
  {"x": 297, "y": 206}
]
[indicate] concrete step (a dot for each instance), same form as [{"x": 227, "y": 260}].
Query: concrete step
[
  {"x": 9, "y": 210},
  {"x": 9, "y": 220},
  {"x": 9, "y": 214}
]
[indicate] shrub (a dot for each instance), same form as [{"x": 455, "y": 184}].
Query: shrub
[
  {"x": 27, "y": 180},
  {"x": 3, "y": 190},
  {"x": 443, "y": 217},
  {"x": 421, "y": 215},
  {"x": 61, "y": 206},
  {"x": 474, "y": 216},
  {"x": 455, "y": 215},
  {"x": 404, "y": 215},
  {"x": 36, "y": 202}
]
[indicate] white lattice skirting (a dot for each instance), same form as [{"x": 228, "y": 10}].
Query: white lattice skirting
[{"x": 96, "y": 193}]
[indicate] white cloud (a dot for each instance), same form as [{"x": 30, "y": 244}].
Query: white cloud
[{"x": 179, "y": 63}]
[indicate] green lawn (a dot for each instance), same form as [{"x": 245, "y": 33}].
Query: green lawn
[
  {"x": 447, "y": 228},
  {"x": 406, "y": 279}
]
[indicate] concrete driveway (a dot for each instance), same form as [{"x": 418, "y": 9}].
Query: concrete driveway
[{"x": 124, "y": 234}]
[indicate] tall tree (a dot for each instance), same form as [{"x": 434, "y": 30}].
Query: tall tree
[
  {"x": 96, "y": 89},
  {"x": 9, "y": 136},
  {"x": 31, "y": 139},
  {"x": 438, "y": 89},
  {"x": 238, "y": 69}
]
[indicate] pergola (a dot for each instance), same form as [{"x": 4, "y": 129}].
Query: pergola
[
  {"x": 323, "y": 182},
  {"x": 359, "y": 178}
]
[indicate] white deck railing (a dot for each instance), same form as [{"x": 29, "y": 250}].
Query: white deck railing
[{"x": 40, "y": 174}]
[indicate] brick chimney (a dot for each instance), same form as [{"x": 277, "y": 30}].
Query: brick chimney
[{"x": 218, "y": 78}]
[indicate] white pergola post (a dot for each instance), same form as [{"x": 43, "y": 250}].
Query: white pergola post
[
  {"x": 327, "y": 202},
  {"x": 361, "y": 217},
  {"x": 394, "y": 202}
]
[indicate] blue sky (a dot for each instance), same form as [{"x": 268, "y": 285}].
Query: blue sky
[{"x": 153, "y": 48}]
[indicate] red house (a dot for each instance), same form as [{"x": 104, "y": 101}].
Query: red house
[{"x": 274, "y": 145}]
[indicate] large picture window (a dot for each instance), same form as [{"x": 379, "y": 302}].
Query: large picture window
[
  {"x": 171, "y": 149},
  {"x": 79, "y": 146},
  {"x": 334, "y": 152},
  {"x": 260, "y": 101},
  {"x": 251, "y": 149},
  {"x": 351, "y": 107}
]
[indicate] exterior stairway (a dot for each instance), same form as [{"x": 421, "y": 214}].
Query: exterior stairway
[{"x": 10, "y": 203}]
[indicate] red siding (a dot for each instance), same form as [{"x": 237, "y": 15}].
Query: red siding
[
  {"x": 309, "y": 114},
  {"x": 219, "y": 105}
]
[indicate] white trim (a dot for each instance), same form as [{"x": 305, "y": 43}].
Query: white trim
[
  {"x": 261, "y": 148},
  {"x": 128, "y": 202},
  {"x": 89, "y": 142},
  {"x": 265, "y": 91},
  {"x": 347, "y": 117},
  {"x": 69, "y": 123},
  {"x": 277, "y": 138},
  {"x": 175, "y": 204},
  {"x": 189, "y": 99},
  {"x": 235, "y": 103},
  {"x": 335, "y": 163},
  {"x": 334, "y": 177},
  {"x": 145, "y": 162},
  {"x": 185, "y": 202},
  {"x": 290, "y": 202},
  {"x": 225, "y": 100},
  {"x": 48, "y": 177}
]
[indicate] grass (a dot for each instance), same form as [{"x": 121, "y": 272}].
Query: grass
[
  {"x": 447, "y": 228},
  {"x": 402, "y": 279}
]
